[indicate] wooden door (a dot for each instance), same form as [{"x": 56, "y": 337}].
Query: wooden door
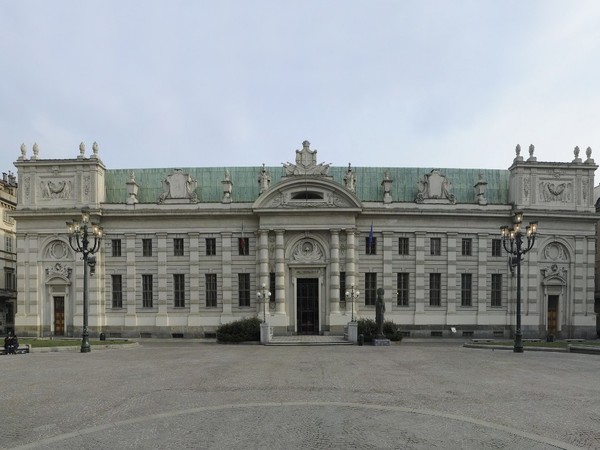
[
  {"x": 553, "y": 315},
  {"x": 59, "y": 316}
]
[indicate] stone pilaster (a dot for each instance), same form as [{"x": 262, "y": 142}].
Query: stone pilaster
[
  {"x": 279, "y": 273},
  {"x": 334, "y": 277},
  {"x": 161, "y": 250},
  {"x": 419, "y": 277},
  {"x": 194, "y": 273},
  {"x": 227, "y": 282},
  {"x": 131, "y": 290},
  {"x": 263, "y": 268},
  {"x": 482, "y": 279},
  {"x": 453, "y": 284}
]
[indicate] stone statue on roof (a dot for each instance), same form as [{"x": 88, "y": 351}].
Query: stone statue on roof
[{"x": 306, "y": 163}]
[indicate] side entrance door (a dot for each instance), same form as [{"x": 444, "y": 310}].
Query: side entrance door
[
  {"x": 553, "y": 315},
  {"x": 59, "y": 316},
  {"x": 307, "y": 310}
]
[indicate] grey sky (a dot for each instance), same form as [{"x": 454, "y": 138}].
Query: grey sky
[{"x": 241, "y": 83}]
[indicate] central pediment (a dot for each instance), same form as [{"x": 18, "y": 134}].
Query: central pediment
[{"x": 307, "y": 193}]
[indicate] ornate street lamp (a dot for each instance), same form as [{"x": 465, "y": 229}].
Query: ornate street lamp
[
  {"x": 351, "y": 296},
  {"x": 512, "y": 240},
  {"x": 264, "y": 294},
  {"x": 80, "y": 234}
]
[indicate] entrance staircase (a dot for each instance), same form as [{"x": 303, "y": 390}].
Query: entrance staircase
[{"x": 304, "y": 339}]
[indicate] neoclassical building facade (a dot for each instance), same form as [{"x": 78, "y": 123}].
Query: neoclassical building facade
[{"x": 185, "y": 250}]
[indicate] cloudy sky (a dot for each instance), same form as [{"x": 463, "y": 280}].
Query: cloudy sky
[{"x": 241, "y": 83}]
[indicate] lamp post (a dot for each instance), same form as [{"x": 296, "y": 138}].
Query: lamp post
[
  {"x": 512, "y": 240},
  {"x": 80, "y": 234},
  {"x": 264, "y": 294},
  {"x": 352, "y": 295}
]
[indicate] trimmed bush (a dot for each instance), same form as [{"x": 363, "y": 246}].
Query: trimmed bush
[
  {"x": 240, "y": 331},
  {"x": 368, "y": 328}
]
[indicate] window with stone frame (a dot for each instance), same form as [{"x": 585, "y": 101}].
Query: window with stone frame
[
  {"x": 179, "y": 290},
  {"x": 343, "y": 287},
  {"x": 244, "y": 289},
  {"x": 466, "y": 289},
  {"x": 117, "y": 291},
  {"x": 370, "y": 288},
  {"x": 147, "y": 291},
  {"x": 435, "y": 289},
  {"x": 211, "y": 290},
  {"x": 435, "y": 246},
  {"x": 116, "y": 247},
  {"x": 272, "y": 286},
  {"x": 244, "y": 246},
  {"x": 371, "y": 245},
  {"x": 403, "y": 246},
  {"x": 496, "y": 247},
  {"x": 467, "y": 247},
  {"x": 8, "y": 244},
  {"x": 496, "y": 293},
  {"x": 147, "y": 247},
  {"x": 211, "y": 246},
  {"x": 178, "y": 248},
  {"x": 10, "y": 279},
  {"x": 402, "y": 289}
]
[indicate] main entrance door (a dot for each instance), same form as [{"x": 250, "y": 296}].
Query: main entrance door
[
  {"x": 59, "y": 316},
  {"x": 553, "y": 315},
  {"x": 307, "y": 311}
]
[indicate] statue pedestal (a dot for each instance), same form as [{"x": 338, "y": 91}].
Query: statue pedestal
[
  {"x": 352, "y": 332},
  {"x": 381, "y": 342},
  {"x": 266, "y": 333}
]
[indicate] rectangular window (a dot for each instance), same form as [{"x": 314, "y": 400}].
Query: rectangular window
[
  {"x": 211, "y": 290},
  {"x": 147, "y": 296},
  {"x": 116, "y": 247},
  {"x": 435, "y": 289},
  {"x": 466, "y": 289},
  {"x": 244, "y": 289},
  {"x": 403, "y": 246},
  {"x": 147, "y": 247},
  {"x": 211, "y": 246},
  {"x": 342, "y": 286},
  {"x": 179, "y": 290},
  {"x": 10, "y": 280},
  {"x": 117, "y": 291},
  {"x": 371, "y": 245},
  {"x": 402, "y": 291},
  {"x": 467, "y": 246},
  {"x": 496, "y": 289},
  {"x": 244, "y": 246},
  {"x": 496, "y": 247},
  {"x": 435, "y": 246},
  {"x": 272, "y": 286},
  {"x": 178, "y": 247},
  {"x": 8, "y": 244},
  {"x": 370, "y": 288}
]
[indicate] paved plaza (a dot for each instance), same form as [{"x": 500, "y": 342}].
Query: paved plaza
[{"x": 189, "y": 394}]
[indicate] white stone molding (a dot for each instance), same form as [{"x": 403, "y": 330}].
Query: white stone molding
[
  {"x": 57, "y": 250},
  {"x": 526, "y": 187},
  {"x": 387, "y": 187},
  {"x": 480, "y": 188},
  {"x": 307, "y": 251},
  {"x": 23, "y": 156},
  {"x": 56, "y": 189},
  {"x": 555, "y": 251},
  {"x": 435, "y": 187},
  {"x": 306, "y": 163},
  {"x": 36, "y": 151},
  {"x": 179, "y": 186},
  {"x": 60, "y": 271},
  {"x": 588, "y": 153},
  {"x": 227, "y": 187},
  {"x": 555, "y": 192},
  {"x": 531, "y": 157},
  {"x": 554, "y": 274},
  {"x": 132, "y": 189}
]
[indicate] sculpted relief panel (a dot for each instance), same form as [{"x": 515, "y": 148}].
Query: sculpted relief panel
[{"x": 56, "y": 189}]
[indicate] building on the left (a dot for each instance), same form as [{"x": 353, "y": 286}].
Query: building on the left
[{"x": 8, "y": 253}]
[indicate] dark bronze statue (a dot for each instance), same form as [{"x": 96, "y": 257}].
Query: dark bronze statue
[{"x": 379, "y": 312}]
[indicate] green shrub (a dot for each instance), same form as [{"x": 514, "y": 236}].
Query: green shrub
[
  {"x": 368, "y": 328},
  {"x": 240, "y": 331}
]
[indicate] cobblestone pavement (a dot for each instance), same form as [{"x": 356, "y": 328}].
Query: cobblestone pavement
[{"x": 185, "y": 394}]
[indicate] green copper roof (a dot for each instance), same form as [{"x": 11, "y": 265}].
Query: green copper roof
[{"x": 368, "y": 185}]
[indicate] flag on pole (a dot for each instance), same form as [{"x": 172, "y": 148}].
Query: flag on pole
[
  {"x": 371, "y": 236},
  {"x": 243, "y": 241}
]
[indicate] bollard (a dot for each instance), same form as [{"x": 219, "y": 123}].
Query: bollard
[
  {"x": 102, "y": 337},
  {"x": 361, "y": 339}
]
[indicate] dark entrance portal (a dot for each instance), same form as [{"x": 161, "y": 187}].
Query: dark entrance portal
[
  {"x": 59, "y": 316},
  {"x": 307, "y": 310},
  {"x": 553, "y": 315}
]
